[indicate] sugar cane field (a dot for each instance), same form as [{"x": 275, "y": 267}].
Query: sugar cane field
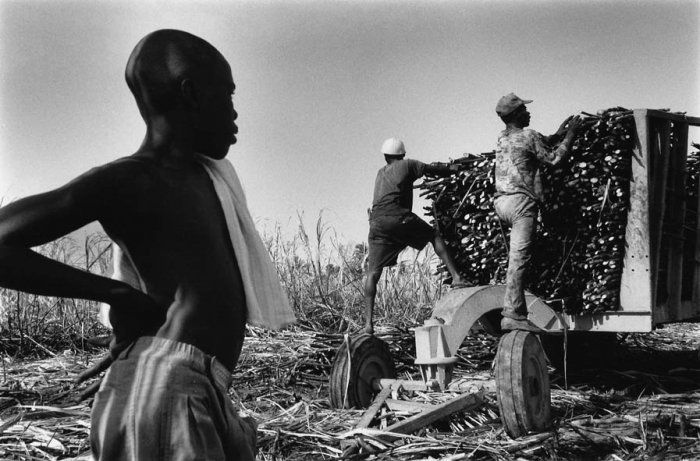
[{"x": 619, "y": 396}]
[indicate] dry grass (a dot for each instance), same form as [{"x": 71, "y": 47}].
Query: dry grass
[{"x": 32, "y": 325}]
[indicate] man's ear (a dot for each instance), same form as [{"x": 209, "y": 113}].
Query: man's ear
[{"x": 188, "y": 91}]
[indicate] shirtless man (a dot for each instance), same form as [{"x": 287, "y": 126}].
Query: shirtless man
[{"x": 165, "y": 396}]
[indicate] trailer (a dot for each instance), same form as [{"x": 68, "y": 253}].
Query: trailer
[{"x": 660, "y": 284}]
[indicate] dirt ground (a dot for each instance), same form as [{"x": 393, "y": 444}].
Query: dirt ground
[{"x": 633, "y": 396}]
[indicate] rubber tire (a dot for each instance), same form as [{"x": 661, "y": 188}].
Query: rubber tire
[
  {"x": 522, "y": 384},
  {"x": 369, "y": 358}
]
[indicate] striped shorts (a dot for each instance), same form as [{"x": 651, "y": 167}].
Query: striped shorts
[{"x": 167, "y": 400}]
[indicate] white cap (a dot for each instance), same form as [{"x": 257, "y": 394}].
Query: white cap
[{"x": 393, "y": 146}]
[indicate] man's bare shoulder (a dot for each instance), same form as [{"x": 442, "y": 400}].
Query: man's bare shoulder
[
  {"x": 130, "y": 168},
  {"x": 119, "y": 176},
  {"x": 97, "y": 195},
  {"x": 101, "y": 188}
]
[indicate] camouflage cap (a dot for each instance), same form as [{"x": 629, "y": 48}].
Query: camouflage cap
[{"x": 509, "y": 103}]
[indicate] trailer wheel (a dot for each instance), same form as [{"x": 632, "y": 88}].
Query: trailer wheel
[
  {"x": 522, "y": 384},
  {"x": 355, "y": 368}
]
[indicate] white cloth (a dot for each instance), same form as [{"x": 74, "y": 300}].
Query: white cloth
[{"x": 267, "y": 303}]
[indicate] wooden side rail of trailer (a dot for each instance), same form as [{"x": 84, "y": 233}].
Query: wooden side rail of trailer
[{"x": 661, "y": 276}]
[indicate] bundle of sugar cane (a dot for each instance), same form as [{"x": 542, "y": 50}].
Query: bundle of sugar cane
[
  {"x": 597, "y": 179},
  {"x": 463, "y": 214}
]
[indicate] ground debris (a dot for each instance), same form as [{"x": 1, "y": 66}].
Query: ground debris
[{"x": 647, "y": 407}]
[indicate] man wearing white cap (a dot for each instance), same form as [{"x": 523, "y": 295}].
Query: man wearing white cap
[
  {"x": 392, "y": 224},
  {"x": 519, "y": 154}
]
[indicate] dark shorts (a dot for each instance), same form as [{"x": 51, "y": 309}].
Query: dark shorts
[{"x": 389, "y": 235}]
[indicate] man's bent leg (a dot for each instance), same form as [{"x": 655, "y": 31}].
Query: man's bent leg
[{"x": 382, "y": 253}]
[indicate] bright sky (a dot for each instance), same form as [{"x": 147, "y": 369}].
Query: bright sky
[{"x": 320, "y": 84}]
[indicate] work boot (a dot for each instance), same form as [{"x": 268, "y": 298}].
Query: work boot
[
  {"x": 508, "y": 323},
  {"x": 458, "y": 285}
]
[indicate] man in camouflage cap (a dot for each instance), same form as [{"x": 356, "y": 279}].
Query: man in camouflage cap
[{"x": 519, "y": 154}]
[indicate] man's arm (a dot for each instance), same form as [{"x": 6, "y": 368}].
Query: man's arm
[
  {"x": 440, "y": 169},
  {"x": 560, "y": 133},
  {"x": 553, "y": 156},
  {"x": 42, "y": 218},
  {"x": 39, "y": 219}
]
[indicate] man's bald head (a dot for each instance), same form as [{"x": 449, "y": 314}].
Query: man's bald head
[{"x": 159, "y": 64}]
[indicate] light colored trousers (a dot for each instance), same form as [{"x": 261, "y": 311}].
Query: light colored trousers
[
  {"x": 520, "y": 213},
  {"x": 166, "y": 400}
]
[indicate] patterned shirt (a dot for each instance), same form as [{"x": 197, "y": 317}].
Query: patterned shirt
[
  {"x": 393, "y": 188},
  {"x": 518, "y": 157}
]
